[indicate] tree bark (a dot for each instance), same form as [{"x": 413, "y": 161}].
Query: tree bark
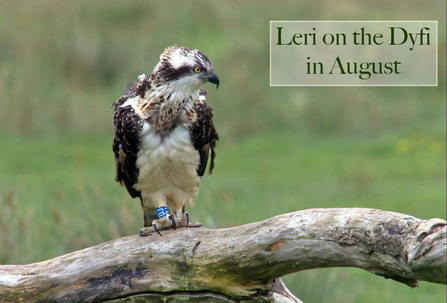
[{"x": 238, "y": 264}]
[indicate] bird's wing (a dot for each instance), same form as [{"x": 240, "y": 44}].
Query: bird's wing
[
  {"x": 204, "y": 135},
  {"x": 127, "y": 140},
  {"x": 126, "y": 145}
]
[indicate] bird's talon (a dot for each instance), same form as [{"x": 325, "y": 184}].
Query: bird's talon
[
  {"x": 154, "y": 225},
  {"x": 195, "y": 224},
  {"x": 187, "y": 223},
  {"x": 144, "y": 232},
  {"x": 172, "y": 218}
]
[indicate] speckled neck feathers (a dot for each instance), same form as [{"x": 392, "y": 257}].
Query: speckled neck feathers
[{"x": 165, "y": 106}]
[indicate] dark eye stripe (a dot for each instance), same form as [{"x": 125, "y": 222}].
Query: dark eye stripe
[{"x": 172, "y": 74}]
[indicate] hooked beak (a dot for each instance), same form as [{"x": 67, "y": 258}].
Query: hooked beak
[{"x": 213, "y": 78}]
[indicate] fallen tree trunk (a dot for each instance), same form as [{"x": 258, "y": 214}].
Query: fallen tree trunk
[{"x": 238, "y": 264}]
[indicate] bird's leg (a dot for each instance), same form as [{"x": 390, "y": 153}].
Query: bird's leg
[
  {"x": 156, "y": 220},
  {"x": 164, "y": 221},
  {"x": 149, "y": 216},
  {"x": 182, "y": 219}
]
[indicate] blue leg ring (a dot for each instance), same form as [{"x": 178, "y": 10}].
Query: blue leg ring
[{"x": 162, "y": 211}]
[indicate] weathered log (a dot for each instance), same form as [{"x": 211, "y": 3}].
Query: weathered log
[{"x": 238, "y": 264}]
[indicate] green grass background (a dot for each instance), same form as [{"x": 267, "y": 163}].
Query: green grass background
[{"x": 282, "y": 149}]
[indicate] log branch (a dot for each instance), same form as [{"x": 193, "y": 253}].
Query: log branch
[{"x": 238, "y": 264}]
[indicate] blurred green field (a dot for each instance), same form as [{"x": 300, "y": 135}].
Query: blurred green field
[{"x": 282, "y": 149}]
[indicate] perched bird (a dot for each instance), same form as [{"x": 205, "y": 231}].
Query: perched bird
[{"x": 164, "y": 135}]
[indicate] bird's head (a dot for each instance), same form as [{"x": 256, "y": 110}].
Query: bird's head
[{"x": 186, "y": 69}]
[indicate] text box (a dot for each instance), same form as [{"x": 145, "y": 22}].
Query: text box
[{"x": 353, "y": 53}]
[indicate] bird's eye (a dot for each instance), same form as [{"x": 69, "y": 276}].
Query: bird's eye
[{"x": 197, "y": 69}]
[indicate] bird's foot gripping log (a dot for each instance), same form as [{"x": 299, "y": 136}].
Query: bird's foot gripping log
[{"x": 167, "y": 221}]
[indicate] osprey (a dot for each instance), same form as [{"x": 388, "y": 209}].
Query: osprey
[{"x": 164, "y": 135}]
